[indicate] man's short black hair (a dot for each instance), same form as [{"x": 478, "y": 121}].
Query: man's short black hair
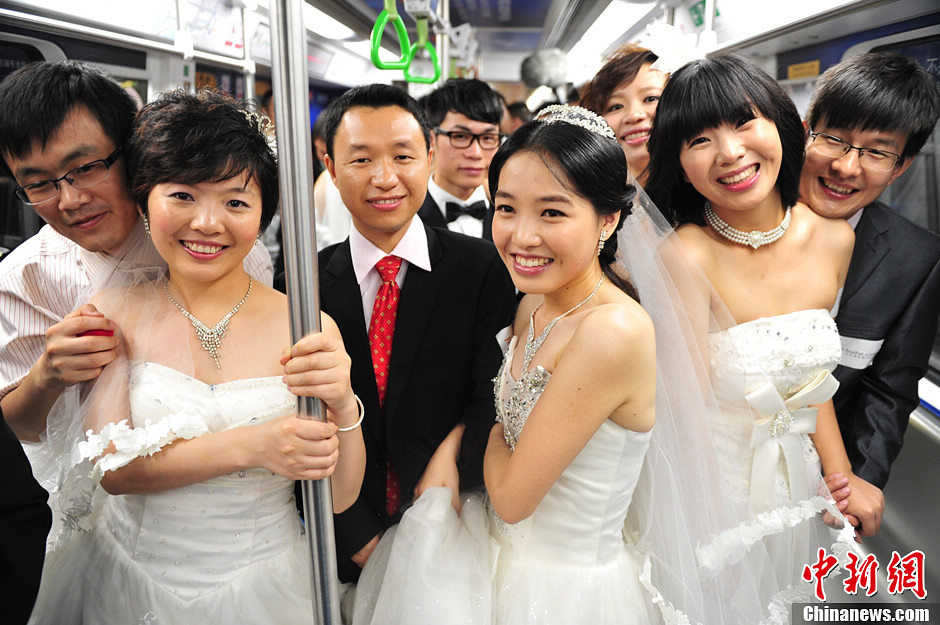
[
  {"x": 878, "y": 91},
  {"x": 370, "y": 96},
  {"x": 36, "y": 99},
  {"x": 468, "y": 96}
]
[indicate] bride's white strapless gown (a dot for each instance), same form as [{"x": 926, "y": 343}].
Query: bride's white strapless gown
[
  {"x": 567, "y": 563},
  {"x": 229, "y": 549},
  {"x": 765, "y": 374}
]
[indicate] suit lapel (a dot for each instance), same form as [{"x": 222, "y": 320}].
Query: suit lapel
[
  {"x": 430, "y": 213},
  {"x": 871, "y": 246},
  {"x": 418, "y": 296},
  {"x": 341, "y": 291},
  {"x": 488, "y": 223}
]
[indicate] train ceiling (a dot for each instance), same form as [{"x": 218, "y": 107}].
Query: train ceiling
[{"x": 519, "y": 26}]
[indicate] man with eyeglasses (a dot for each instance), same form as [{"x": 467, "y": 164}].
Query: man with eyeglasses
[
  {"x": 464, "y": 114},
  {"x": 62, "y": 131},
  {"x": 868, "y": 118}
]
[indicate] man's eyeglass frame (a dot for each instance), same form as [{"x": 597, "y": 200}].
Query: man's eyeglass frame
[
  {"x": 848, "y": 147},
  {"x": 473, "y": 137},
  {"x": 22, "y": 192}
]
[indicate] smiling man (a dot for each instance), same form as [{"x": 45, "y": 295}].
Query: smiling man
[
  {"x": 464, "y": 115},
  {"x": 419, "y": 309},
  {"x": 62, "y": 132},
  {"x": 868, "y": 118}
]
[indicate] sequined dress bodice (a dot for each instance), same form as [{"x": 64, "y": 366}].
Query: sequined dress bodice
[
  {"x": 580, "y": 519},
  {"x": 196, "y": 538},
  {"x": 788, "y": 350}
]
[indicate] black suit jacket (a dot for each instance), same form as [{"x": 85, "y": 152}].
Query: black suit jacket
[
  {"x": 430, "y": 213},
  {"x": 25, "y": 520},
  {"x": 444, "y": 357},
  {"x": 891, "y": 293}
]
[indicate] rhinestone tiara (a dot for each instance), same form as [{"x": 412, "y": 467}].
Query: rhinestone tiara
[{"x": 576, "y": 116}]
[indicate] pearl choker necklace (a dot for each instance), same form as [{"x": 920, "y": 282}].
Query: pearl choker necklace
[{"x": 754, "y": 238}]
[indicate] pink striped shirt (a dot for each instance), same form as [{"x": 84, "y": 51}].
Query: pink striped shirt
[{"x": 49, "y": 276}]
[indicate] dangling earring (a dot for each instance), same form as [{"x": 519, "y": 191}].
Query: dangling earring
[
  {"x": 146, "y": 223},
  {"x": 600, "y": 242}
]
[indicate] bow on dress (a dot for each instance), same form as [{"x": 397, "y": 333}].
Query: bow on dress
[{"x": 777, "y": 431}]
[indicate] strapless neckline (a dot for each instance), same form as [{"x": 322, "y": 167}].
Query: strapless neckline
[
  {"x": 782, "y": 316},
  {"x": 186, "y": 377}
]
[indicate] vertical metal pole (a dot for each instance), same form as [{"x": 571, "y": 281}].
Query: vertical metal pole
[
  {"x": 709, "y": 15},
  {"x": 443, "y": 46},
  {"x": 248, "y": 69},
  {"x": 295, "y": 167}
]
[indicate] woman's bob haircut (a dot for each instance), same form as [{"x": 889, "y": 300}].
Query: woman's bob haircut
[{"x": 720, "y": 89}]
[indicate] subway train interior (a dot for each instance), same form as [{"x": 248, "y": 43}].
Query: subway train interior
[{"x": 528, "y": 50}]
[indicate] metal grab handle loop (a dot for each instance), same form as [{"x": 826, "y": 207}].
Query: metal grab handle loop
[
  {"x": 404, "y": 43},
  {"x": 432, "y": 51}
]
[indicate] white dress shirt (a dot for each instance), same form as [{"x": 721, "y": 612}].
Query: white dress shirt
[
  {"x": 48, "y": 276},
  {"x": 465, "y": 224},
  {"x": 412, "y": 249}
]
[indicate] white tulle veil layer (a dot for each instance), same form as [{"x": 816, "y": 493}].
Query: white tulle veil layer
[
  {"x": 93, "y": 417},
  {"x": 708, "y": 561}
]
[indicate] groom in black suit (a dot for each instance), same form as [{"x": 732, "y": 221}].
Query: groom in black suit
[
  {"x": 868, "y": 118},
  {"x": 464, "y": 116},
  {"x": 443, "y": 308}
]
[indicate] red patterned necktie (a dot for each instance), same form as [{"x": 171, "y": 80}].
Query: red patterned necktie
[{"x": 381, "y": 332}]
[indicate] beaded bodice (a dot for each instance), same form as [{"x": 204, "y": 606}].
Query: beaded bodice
[
  {"x": 788, "y": 350},
  {"x": 514, "y": 404}
]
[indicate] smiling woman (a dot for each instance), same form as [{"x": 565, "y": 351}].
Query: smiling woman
[
  {"x": 193, "y": 423},
  {"x": 626, "y": 92},
  {"x": 726, "y": 152}
]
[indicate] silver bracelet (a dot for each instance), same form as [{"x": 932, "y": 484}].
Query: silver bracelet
[{"x": 362, "y": 414}]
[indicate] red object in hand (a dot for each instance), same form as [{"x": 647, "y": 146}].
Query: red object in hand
[{"x": 97, "y": 333}]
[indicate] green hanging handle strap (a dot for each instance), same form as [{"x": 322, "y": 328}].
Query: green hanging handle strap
[
  {"x": 404, "y": 43},
  {"x": 423, "y": 42}
]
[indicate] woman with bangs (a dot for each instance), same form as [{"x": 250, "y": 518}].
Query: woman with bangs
[
  {"x": 625, "y": 92},
  {"x": 726, "y": 153}
]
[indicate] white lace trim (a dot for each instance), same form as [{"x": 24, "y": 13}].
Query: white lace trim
[
  {"x": 133, "y": 442},
  {"x": 729, "y": 546},
  {"x": 671, "y": 615}
]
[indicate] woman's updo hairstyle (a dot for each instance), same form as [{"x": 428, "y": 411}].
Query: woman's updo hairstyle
[
  {"x": 582, "y": 152},
  {"x": 621, "y": 66}
]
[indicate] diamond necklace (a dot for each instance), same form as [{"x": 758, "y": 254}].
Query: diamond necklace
[
  {"x": 211, "y": 338},
  {"x": 754, "y": 238},
  {"x": 532, "y": 346}
]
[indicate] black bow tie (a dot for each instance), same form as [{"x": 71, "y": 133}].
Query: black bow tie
[{"x": 477, "y": 210}]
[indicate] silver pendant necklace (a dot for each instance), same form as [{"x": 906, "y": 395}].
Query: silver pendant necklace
[
  {"x": 211, "y": 338},
  {"x": 754, "y": 238},
  {"x": 532, "y": 345}
]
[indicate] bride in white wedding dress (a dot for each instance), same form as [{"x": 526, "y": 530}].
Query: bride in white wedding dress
[
  {"x": 726, "y": 153},
  {"x": 575, "y": 404},
  {"x": 192, "y": 429}
]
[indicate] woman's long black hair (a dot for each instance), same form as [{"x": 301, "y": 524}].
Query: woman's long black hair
[{"x": 592, "y": 166}]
